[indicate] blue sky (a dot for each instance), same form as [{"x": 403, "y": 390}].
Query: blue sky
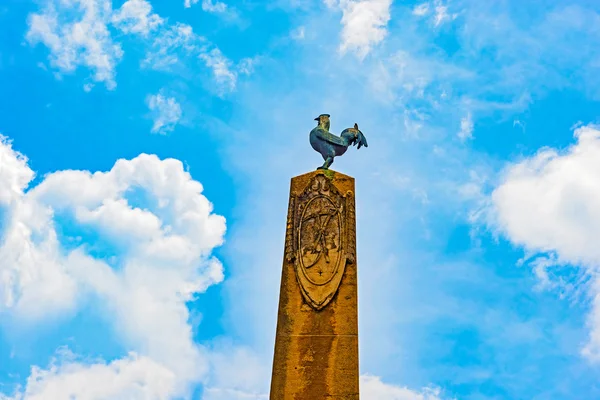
[{"x": 144, "y": 172}]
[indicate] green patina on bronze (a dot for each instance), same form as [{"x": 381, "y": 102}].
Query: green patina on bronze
[{"x": 330, "y": 145}]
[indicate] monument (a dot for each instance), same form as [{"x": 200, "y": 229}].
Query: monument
[{"x": 316, "y": 346}]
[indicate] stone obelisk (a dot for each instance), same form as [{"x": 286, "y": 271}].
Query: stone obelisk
[{"x": 316, "y": 347}]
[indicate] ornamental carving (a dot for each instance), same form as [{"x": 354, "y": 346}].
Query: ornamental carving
[{"x": 320, "y": 239}]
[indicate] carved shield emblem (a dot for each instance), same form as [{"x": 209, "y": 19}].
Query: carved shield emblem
[
  {"x": 320, "y": 233},
  {"x": 320, "y": 241}
]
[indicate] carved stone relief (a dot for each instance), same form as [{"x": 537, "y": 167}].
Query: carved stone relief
[{"x": 320, "y": 239}]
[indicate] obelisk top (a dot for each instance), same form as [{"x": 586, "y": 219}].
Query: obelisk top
[{"x": 321, "y": 241}]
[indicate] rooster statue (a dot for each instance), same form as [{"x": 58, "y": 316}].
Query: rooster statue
[{"x": 330, "y": 145}]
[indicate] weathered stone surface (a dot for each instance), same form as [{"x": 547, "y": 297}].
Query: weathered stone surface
[{"x": 316, "y": 348}]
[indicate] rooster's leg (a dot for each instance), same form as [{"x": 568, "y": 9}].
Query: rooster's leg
[{"x": 327, "y": 163}]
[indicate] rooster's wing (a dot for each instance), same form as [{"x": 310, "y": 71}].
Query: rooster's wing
[{"x": 330, "y": 137}]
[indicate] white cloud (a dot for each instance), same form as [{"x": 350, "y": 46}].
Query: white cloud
[
  {"x": 163, "y": 249},
  {"x": 549, "y": 204},
  {"x": 166, "y": 47},
  {"x": 221, "y": 67},
  {"x": 372, "y": 388},
  {"x": 166, "y": 112},
  {"x": 541, "y": 267},
  {"x": 179, "y": 42},
  {"x": 231, "y": 394},
  {"x": 15, "y": 174},
  {"x": 236, "y": 373},
  {"x": 136, "y": 16},
  {"x": 364, "y": 23},
  {"x": 421, "y": 10},
  {"x": 132, "y": 377},
  {"x": 519, "y": 123},
  {"x": 214, "y": 6},
  {"x": 441, "y": 14},
  {"x": 31, "y": 271},
  {"x": 246, "y": 65},
  {"x": 437, "y": 9},
  {"x": 76, "y": 34},
  {"x": 466, "y": 127}
]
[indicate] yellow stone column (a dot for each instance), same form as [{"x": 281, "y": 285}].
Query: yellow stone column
[{"x": 316, "y": 347}]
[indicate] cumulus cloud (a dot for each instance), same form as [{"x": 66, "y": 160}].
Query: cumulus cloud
[
  {"x": 31, "y": 268},
  {"x": 132, "y": 377},
  {"x": 364, "y": 24},
  {"x": 238, "y": 373},
  {"x": 548, "y": 204},
  {"x": 166, "y": 112},
  {"x": 162, "y": 247},
  {"x": 15, "y": 174},
  {"x": 372, "y": 388}
]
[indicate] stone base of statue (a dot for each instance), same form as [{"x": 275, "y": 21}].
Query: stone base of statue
[{"x": 316, "y": 347}]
